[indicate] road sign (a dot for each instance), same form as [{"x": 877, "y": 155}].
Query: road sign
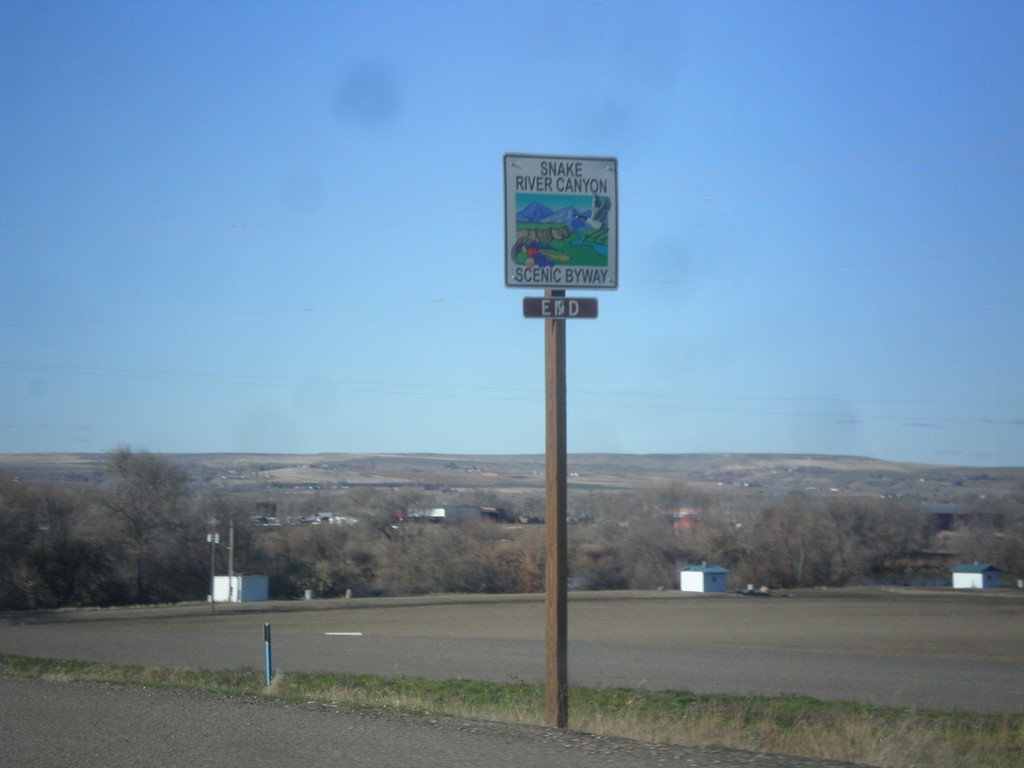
[
  {"x": 561, "y": 222},
  {"x": 559, "y": 308}
]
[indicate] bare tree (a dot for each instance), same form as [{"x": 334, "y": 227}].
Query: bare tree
[
  {"x": 676, "y": 495},
  {"x": 49, "y": 554},
  {"x": 789, "y": 538},
  {"x": 146, "y": 499},
  {"x": 19, "y": 582}
]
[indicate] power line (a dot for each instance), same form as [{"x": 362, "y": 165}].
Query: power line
[{"x": 632, "y": 399}]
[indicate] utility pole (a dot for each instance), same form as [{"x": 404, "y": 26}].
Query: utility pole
[
  {"x": 231, "y": 559},
  {"x": 214, "y": 538}
]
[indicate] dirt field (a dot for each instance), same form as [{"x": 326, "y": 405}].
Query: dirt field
[{"x": 927, "y": 648}]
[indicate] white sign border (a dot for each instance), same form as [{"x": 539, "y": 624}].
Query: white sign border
[{"x": 611, "y": 173}]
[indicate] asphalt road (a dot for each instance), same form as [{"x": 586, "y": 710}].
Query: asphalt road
[{"x": 930, "y": 649}]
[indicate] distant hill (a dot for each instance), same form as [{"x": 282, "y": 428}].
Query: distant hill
[{"x": 724, "y": 476}]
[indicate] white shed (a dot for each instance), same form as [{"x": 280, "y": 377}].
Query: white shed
[
  {"x": 702, "y": 578},
  {"x": 975, "y": 576},
  {"x": 240, "y": 589}
]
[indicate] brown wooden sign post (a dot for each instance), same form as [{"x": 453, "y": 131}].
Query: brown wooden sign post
[
  {"x": 556, "y": 598},
  {"x": 561, "y": 231}
]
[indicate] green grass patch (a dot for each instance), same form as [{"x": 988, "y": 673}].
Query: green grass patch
[{"x": 793, "y": 725}]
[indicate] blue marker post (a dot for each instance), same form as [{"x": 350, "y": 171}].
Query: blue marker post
[{"x": 266, "y": 646}]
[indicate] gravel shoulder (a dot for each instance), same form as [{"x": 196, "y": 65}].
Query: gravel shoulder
[{"x": 55, "y": 724}]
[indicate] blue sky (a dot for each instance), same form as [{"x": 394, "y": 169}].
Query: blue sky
[{"x": 277, "y": 227}]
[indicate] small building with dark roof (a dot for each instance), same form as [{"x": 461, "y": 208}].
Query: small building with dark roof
[
  {"x": 702, "y": 578},
  {"x": 975, "y": 576}
]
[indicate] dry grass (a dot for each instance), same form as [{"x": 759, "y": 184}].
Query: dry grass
[
  {"x": 887, "y": 737},
  {"x": 894, "y": 738}
]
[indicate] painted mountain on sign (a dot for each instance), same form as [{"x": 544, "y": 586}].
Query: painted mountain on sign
[
  {"x": 537, "y": 213},
  {"x": 533, "y": 213}
]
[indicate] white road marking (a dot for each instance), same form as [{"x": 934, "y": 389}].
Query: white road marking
[{"x": 344, "y": 634}]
